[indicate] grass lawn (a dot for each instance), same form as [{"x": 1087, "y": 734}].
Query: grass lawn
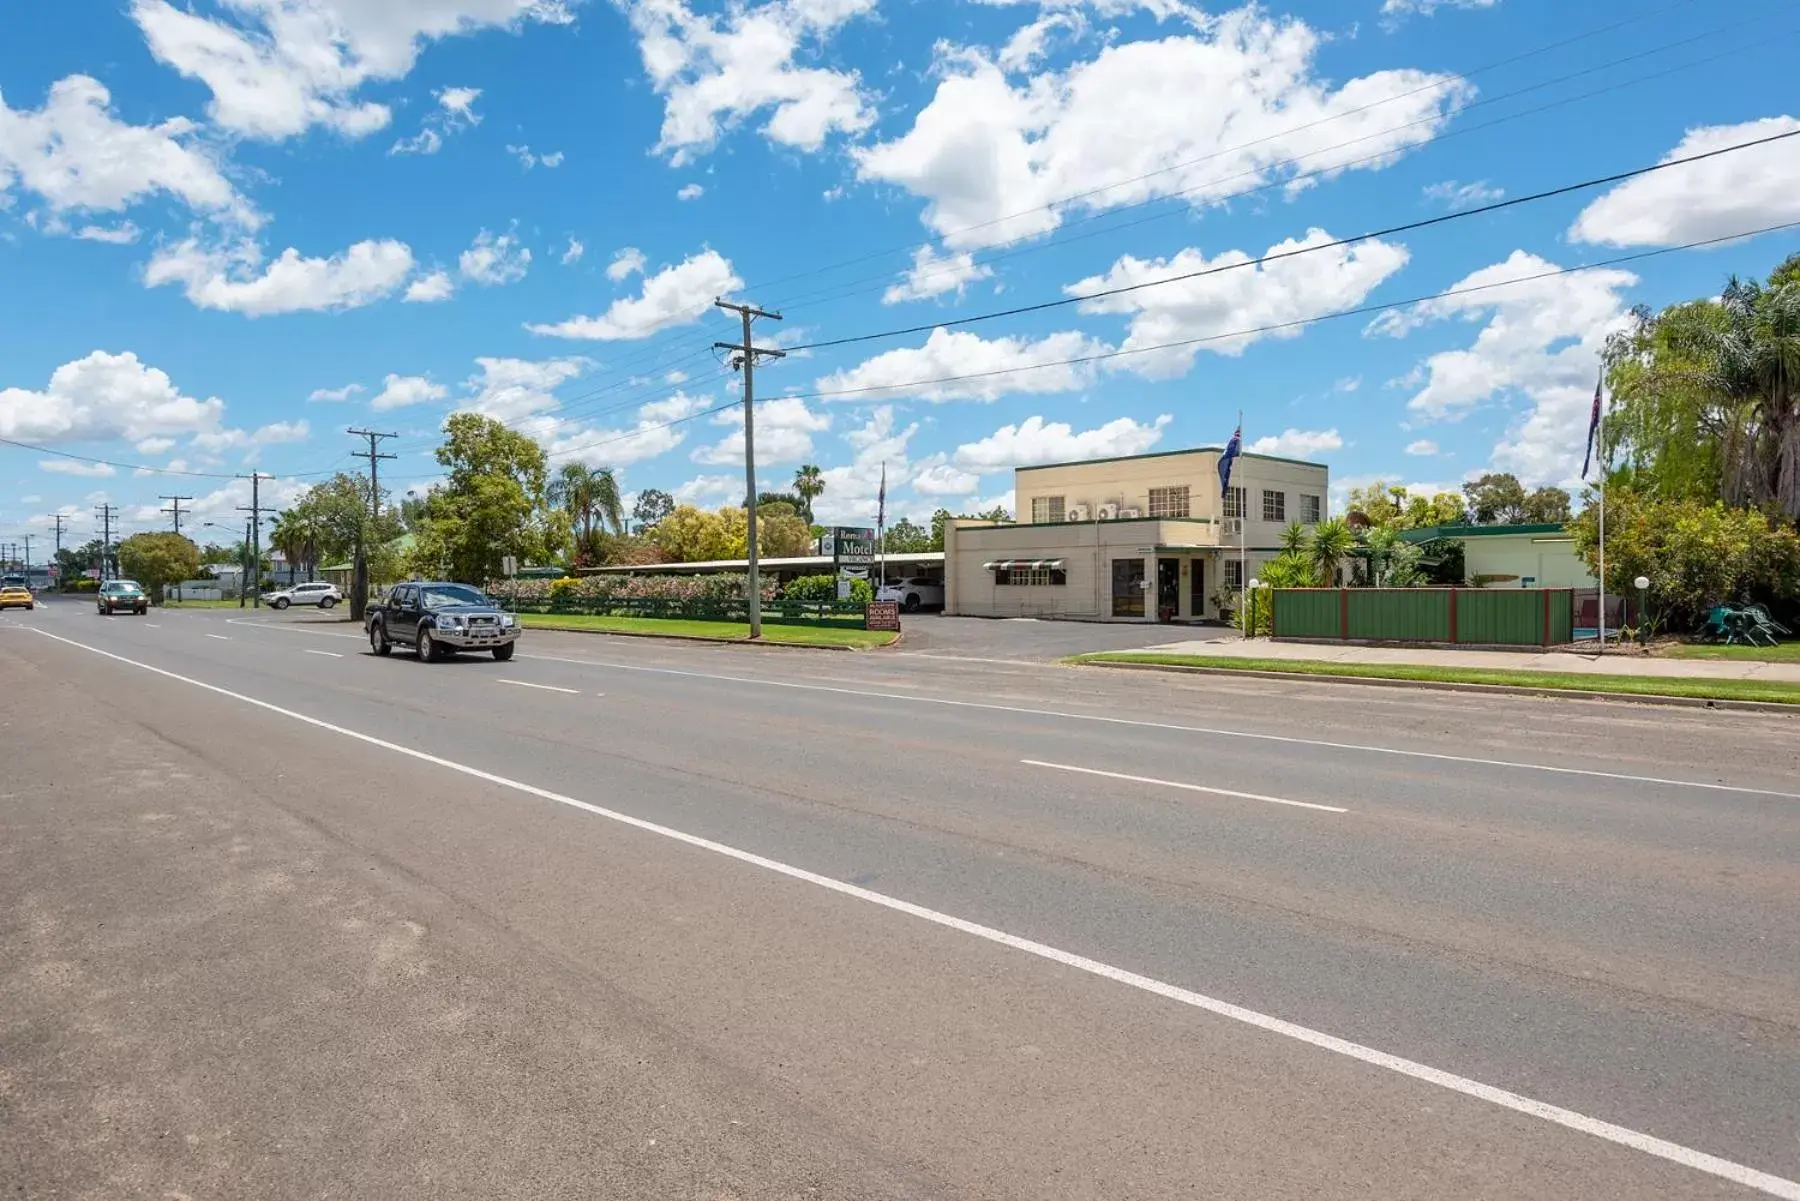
[
  {"x": 1787, "y": 652},
  {"x": 721, "y": 631},
  {"x": 1725, "y": 690}
]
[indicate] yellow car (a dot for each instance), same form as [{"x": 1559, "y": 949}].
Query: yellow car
[{"x": 17, "y": 596}]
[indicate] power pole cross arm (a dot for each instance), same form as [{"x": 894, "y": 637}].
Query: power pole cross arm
[{"x": 744, "y": 357}]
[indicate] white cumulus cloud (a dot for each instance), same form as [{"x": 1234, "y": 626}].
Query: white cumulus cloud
[
  {"x": 996, "y": 162},
  {"x": 400, "y": 391},
  {"x": 495, "y": 259},
  {"x": 455, "y": 111},
  {"x": 934, "y": 275},
  {"x": 784, "y": 430},
  {"x": 77, "y": 467},
  {"x": 674, "y": 296},
  {"x": 690, "y": 191},
  {"x": 1294, "y": 289},
  {"x": 1297, "y": 444},
  {"x": 714, "y": 72},
  {"x": 278, "y": 67},
  {"x": 235, "y": 280},
  {"x": 572, "y": 253},
  {"x": 998, "y": 367},
  {"x": 335, "y": 394},
  {"x": 431, "y": 288},
  {"x": 626, "y": 262},
  {"x": 77, "y": 155},
  {"x": 105, "y": 396},
  {"x": 1035, "y": 440},
  {"x": 1423, "y": 446},
  {"x": 1714, "y": 198}
]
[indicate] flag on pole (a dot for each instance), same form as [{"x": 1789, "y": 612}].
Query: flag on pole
[
  {"x": 881, "y": 499},
  {"x": 1230, "y": 456},
  {"x": 1593, "y": 426}
]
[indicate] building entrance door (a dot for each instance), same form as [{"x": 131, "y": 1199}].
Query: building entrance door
[
  {"x": 1127, "y": 587},
  {"x": 1198, "y": 595},
  {"x": 1168, "y": 589}
]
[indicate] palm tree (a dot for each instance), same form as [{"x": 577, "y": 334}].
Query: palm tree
[
  {"x": 588, "y": 494},
  {"x": 809, "y": 485},
  {"x": 1332, "y": 540},
  {"x": 1759, "y": 358},
  {"x": 296, "y": 535}
]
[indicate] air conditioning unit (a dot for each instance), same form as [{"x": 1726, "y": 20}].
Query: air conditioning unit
[
  {"x": 1109, "y": 512},
  {"x": 1129, "y": 514},
  {"x": 1233, "y": 527},
  {"x": 1075, "y": 513}
]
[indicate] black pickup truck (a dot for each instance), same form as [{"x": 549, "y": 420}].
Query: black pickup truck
[{"x": 437, "y": 619}]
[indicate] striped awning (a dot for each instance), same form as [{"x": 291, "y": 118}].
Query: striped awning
[{"x": 1017, "y": 564}]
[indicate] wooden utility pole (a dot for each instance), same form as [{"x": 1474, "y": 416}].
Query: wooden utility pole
[
  {"x": 744, "y": 358},
  {"x": 174, "y": 508},
  {"x": 359, "y": 583},
  {"x": 254, "y": 550}
]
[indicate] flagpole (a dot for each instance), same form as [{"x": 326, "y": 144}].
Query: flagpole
[
  {"x": 881, "y": 528},
  {"x": 1600, "y": 445},
  {"x": 1243, "y": 524}
]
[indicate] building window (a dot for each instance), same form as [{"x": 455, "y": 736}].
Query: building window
[
  {"x": 1234, "y": 502},
  {"x": 1127, "y": 587},
  {"x": 1309, "y": 509},
  {"x": 1026, "y": 577},
  {"x": 1234, "y": 574},
  {"x": 1169, "y": 502},
  {"x": 1046, "y": 509},
  {"x": 1274, "y": 505}
]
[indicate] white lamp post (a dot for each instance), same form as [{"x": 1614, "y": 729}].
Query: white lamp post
[{"x": 1643, "y": 587}]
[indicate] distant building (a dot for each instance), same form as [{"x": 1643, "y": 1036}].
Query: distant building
[
  {"x": 1514, "y": 556},
  {"x": 1141, "y": 538}
]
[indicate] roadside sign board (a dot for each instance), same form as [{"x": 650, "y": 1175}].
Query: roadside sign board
[
  {"x": 852, "y": 546},
  {"x": 882, "y": 615},
  {"x": 509, "y": 566}
]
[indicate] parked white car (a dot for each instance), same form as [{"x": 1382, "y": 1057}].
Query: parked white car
[
  {"x": 318, "y": 593},
  {"x": 913, "y": 593}
]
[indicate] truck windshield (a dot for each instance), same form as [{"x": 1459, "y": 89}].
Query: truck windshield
[{"x": 439, "y": 595}]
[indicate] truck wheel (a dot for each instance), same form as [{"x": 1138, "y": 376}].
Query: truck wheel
[
  {"x": 912, "y": 602},
  {"x": 503, "y": 653},
  {"x": 378, "y": 640},
  {"x": 426, "y": 648}
]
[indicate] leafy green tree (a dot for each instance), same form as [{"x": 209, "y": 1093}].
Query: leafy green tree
[
  {"x": 1695, "y": 553},
  {"x": 907, "y": 537},
  {"x": 692, "y": 535},
  {"x": 1391, "y": 506},
  {"x": 491, "y": 504},
  {"x": 158, "y": 560},
  {"x": 1547, "y": 506},
  {"x": 781, "y": 532},
  {"x": 937, "y": 528},
  {"x": 1705, "y": 404},
  {"x": 809, "y": 485},
  {"x": 1497, "y": 498},
  {"x": 653, "y": 504},
  {"x": 998, "y": 513}
]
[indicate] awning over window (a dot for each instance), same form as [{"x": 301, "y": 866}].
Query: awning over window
[{"x": 1020, "y": 564}]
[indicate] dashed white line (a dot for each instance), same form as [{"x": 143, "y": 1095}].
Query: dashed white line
[
  {"x": 327, "y": 654},
  {"x": 1700, "y": 1161},
  {"x": 540, "y": 687},
  {"x": 220, "y": 637},
  {"x": 1139, "y": 723},
  {"x": 1247, "y": 796},
  {"x": 151, "y": 625}
]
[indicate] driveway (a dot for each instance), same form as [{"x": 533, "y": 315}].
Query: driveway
[{"x": 1021, "y": 638}]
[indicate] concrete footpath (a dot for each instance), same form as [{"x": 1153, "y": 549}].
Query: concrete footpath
[{"x": 1623, "y": 663}]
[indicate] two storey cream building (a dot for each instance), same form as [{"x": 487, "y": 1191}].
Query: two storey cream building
[{"x": 1142, "y": 538}]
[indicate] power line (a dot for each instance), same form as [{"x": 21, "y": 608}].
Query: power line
[
  {"x": 253, "y": 540},
  {"x": 1060, "y": 238},
  {"x": 1405, "y": 227},
  {"x": 1065, "y": 200}
]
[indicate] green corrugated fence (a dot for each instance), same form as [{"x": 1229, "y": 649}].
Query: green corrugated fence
[{"x": 1466, "y": 616}]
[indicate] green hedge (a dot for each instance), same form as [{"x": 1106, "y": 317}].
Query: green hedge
[{"x": 787, "y": 611}]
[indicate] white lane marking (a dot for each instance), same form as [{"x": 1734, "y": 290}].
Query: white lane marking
[
  {"x": 541, "y": 687},
  {"x": 1248, "y": 796},
  {"x": 327, "y": 654},
  {"x": 1775, "y": 1186},
  {"x": 989, "y": 706},
  {"x": 151, "y": 625},
  {"x": 1287, "y": 739},
  {"x": 220, "y": 637}
]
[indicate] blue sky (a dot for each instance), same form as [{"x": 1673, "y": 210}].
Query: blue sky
[{"x": 231, "y": 229}]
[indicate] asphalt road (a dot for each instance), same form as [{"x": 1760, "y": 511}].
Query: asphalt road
[{"x": 631, "y": 919}]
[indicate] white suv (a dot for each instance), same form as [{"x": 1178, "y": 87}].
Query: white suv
[
  {"x": 913, "y": 593},
  {"x": 317, "y": 593}
]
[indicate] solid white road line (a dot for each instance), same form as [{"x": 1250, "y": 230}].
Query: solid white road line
[
  {"x": 540, "y": 687},
  {"x": 327, "y": 654},
  {"x": 991, "y": 707},
  {"x": 1775, "y": 1186},
  {"x": 151, "y": 625},
  {"x": 220, "y": 637},
  {"x": 1287, "y": 739},
  {"x": 1248, "y": 796}
]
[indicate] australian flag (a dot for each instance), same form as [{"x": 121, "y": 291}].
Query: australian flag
[
  {"x": 1230, "y": 456},
  {"x": 1593, "y": 427},
  {"x": 881, "y": 499}
]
